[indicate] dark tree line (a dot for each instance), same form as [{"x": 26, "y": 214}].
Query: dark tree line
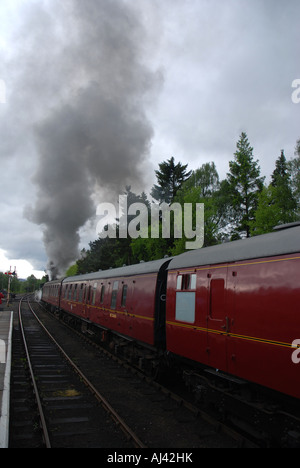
[
  {"x": 241, "y": 205},
  {"x": 18, "y": 286}
]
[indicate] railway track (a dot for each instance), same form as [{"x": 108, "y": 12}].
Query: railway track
[
  {"x": 155, "y": 416},
  {"x": 158, "y": 416},
  {"x": 53, "y": 404}
]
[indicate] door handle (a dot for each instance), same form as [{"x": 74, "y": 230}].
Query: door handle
[{"x": 226, "y": 326}]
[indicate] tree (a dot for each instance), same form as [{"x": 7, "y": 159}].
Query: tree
[
  {"x": 244, "y": 185},
  {"x": 294, "y": 169},
  {"x": 280, "y": 174},
  {"x": 286, "y": 201},
  {"x": 297, "y": 149},
  {"x": 271, "y": 211},
  {"x": 111, "y": 252},
  {"x": 203, "y": 186},
  {"x": 101, "y": 255},
  {"x": 151, "y": 249},
  {"x": 206, "y": 178},
  {"x": 170, "y": 178},
  {"x": 268, "y": 214},
  {"x": 72, "y": 270},
  {"x": 276, "y": 203}
]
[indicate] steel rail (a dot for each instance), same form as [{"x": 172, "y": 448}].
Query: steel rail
[
  {"x": 36, "y": 392},
  {"x": 125, "y": 428},
  {"x": 194, "y": 409}
]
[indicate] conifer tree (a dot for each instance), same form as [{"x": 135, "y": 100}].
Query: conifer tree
[
  {"x": 276, "y": 203},
  {"x": 281, "y": 179},
  {"x": 280, "y": 174},
  {"x": 294, "y": 168},
  {"x": 170, "y": 178},
  {"x": 244, "y": 185}
]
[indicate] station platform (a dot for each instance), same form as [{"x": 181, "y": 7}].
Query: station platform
[{"x": 6, "y": 327}]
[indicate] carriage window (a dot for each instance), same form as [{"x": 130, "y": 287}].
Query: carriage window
[
  {"x": 185, "y": 298},
  {"x": 89, "y": 294},
  {"x": 70, "y": 292},
  {"x": 75, "y": 293},
  {"x": 114, "y": 295},
  {"x": 185, "y": 306},
  {"x": 94, "y": 293},
  {"x": 102, "y": 295},
  {"x": 193, "y": 281},
  {"x": 186, "y": 282},
  {"x": 124, "y": 295},
  {"x": 66, "y": 291},
  {"x": 80, "y": 293}
]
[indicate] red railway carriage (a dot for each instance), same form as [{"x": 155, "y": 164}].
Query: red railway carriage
[
  {"x": 51, "y": 293},
  {"x": 128, "y": 300},
  {"x": 235, "y": 307},
  {"x": 232, "y": 307}
]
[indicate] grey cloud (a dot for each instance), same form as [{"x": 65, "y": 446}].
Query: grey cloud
[
  {"x": 81, "y": 81},
  {"x": 94, "y": 134}
]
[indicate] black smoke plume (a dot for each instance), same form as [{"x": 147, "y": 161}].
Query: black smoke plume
[{"x": 92, "y": 134}]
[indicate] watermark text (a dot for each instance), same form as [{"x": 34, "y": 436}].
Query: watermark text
[
  {"x": 2, "y": 92},
  {"x": 136, "y": 220},
  {"x": 296, "y": 93},
  {"x": 296, "y": 353}
]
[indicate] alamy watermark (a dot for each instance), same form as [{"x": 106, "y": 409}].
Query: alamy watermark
[
  {"x": 296, "y": 353},
  {"x": 136, "y": 220},
  {"x": 2, "y": 92},
  {"x": 296, "y": 93}
]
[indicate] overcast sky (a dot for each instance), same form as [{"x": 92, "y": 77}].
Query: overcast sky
[{"x": 98, "y": 92}]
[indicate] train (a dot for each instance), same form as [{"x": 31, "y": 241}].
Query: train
[{"x": 231, "y": 310}]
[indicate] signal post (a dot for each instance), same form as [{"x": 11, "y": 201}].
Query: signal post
[{"x": 10, "y": 274}]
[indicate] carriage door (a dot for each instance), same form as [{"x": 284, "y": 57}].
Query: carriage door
[
  {"x": 217, "y": 321},
  {"x": 81, "y": 298},
  {"x": 84, "y": 299}
]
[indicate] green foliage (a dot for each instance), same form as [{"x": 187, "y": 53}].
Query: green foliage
[
  {"x": 18, "y": 286},
  {"x": 268, "y": 213},
  {"x": 72, "y": 270},
  {"x": 204, "y": 187},
  {"x": 240, "y": 205},
  {"x": 276, "y": 203},
  {"x": 294, "y": 170},
  {"x": 170, "y": 178},
  {"x": 244, "y": 186}
]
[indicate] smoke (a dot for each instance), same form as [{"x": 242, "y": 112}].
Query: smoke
[{"x": 85, "y": 74}]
